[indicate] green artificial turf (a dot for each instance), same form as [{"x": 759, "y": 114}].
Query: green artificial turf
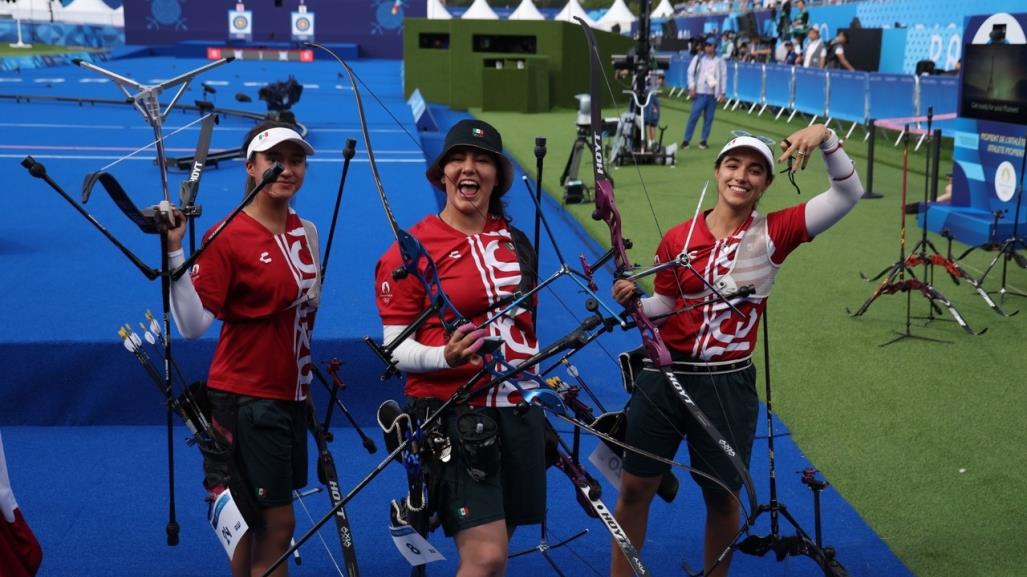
[
  {"x": 7, "y": 50},
  {"x": 926, "y": 440}
]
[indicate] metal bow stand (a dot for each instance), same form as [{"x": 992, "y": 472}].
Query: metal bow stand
[
  {"x": 155, "y": 220},
  {"x": 895, "y": 275},
  {"x": 1008, "y": 250},
  {"x": 800, "y": 542}
]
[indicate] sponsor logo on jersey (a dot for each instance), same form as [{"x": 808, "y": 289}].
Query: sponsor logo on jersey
[
  {"x": 385, "y": 293},
  {"x": 265, "y": 257}
]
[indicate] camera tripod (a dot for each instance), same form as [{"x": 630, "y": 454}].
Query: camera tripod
[{"x": 575, "y": 190}]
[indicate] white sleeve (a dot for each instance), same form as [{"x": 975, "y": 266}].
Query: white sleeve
[
  {"x": 657, "y": 305},
  {"x": 412, "y": 356},
  {"x": 828, "y": 207},
  {"x": 190, "y": 317}
]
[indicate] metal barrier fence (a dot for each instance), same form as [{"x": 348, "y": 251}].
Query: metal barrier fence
[{"x": 835, "y": 95}]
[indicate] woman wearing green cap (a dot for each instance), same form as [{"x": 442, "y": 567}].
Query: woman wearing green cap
[
  {"x": 482, "y": 262},
  {"x": 736, "y": 249}
]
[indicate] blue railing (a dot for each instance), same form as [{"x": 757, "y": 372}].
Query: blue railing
[{"x": 854, "y": 97}]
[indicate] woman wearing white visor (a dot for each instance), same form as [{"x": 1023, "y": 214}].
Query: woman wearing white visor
[
  {"x": 733, "y": 246},
  {"x": 259, "y": 277}
]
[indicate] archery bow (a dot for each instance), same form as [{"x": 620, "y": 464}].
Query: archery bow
[{"x": 652, "y": 342}]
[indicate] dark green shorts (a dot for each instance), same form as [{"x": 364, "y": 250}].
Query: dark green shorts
[
  {"x": 657, "y": 418},
  {"x": 517, "y": 493},
  {"x": 271, "y": 445}
]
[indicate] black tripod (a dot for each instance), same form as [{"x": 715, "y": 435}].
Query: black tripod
[
  {"x": 895, "y": 276},
  {"x": 575, "y": 190},
  {"x": 800, "y": 542},
  {"x": 1007, "y": 251}
]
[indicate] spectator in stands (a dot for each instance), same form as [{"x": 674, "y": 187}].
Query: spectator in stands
[
  {"x": 943, "y": 198},
  {"x": 836, "y": 53},
  {"x": 790, "y": 55},
  {"x": 800, "y": 21},
  {"x": 727, "y": 46},
  {"x": 707, "y": 75},
  {"x": 784, "y": 20},
  {"x": 813, "y": 54}
]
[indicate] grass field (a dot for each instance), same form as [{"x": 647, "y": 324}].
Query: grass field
[
  {"x": 7, "y": 50},
  {"x": 925, "y": 439}
]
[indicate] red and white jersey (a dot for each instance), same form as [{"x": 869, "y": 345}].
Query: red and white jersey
[
  {"x": 256, "y": 282},
  {"x": 749, "y": 256},
  {"x": 476, "y": 272},
  {"x": 20, "y": 553}
]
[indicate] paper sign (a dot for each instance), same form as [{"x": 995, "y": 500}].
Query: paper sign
[
  {"x": 415, "y": 548},
  {"x": 608, "y": 463},
  {"x": 227, "y": 522}
]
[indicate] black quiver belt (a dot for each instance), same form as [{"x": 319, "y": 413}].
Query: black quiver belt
[{"x": 217, "y": 417}]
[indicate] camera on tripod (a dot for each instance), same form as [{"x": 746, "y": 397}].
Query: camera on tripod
[
  {"x": 574, "y": 189},
  {"x": 282, "y": 95}
]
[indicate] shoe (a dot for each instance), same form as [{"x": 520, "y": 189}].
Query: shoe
[
  {"x": 684, "y": 145},
  {"x": 913, "y": 208},
  {"x": 702, "y": 146}
]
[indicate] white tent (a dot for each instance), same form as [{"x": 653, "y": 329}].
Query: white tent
[
  {"x": 88, "y": 12},
  {"x": 38, "y": 10},
  {"x": 119, "y": 16},
  {"x": 480, "y": 10},
  {"x": 572, "y": 9},
  {"x": 618, "y": 15},
  {"x": 663, "y": 10},
  {"x": 526, "y": 10},
  {"x": 436, "y": 11}
]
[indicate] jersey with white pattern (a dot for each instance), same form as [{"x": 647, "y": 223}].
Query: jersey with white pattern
[
  {"x": 713, "y": 332},
  {"x": 256, "y": 282},
  {"x": 477, "y": 272}
]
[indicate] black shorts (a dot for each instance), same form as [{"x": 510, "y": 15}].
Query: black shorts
[
  {"x": 516, "y": 493},
  {"x": 656, "y": 419},
  {"x": 271, "y": 448}
]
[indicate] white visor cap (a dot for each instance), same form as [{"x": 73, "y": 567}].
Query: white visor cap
[
  {"x": 268, "y": 139},
  {"x": 749, "y": 142}
]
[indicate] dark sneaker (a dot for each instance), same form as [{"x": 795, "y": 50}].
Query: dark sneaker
[
  {"x": 702, "y": 146},
  {"x": 684, "y": 144}
]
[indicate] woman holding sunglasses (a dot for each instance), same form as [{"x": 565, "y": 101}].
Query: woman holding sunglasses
[{"x": 733, "y": 246}]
